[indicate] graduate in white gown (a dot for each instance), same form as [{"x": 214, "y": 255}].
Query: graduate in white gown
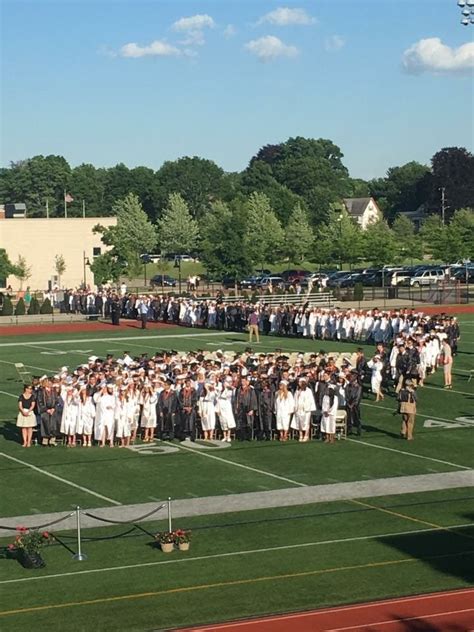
[
  {"x": 329, "y": 406},
  {"x": 304, "y": 406},
  {"x": 207, "y": 410},
  {"x": 284, "y": 408},
  {"x": 70, "y": 415},
  {"x": 376, "y": 366},
  {"x": 122, "y": 423},
  {"x": 224, "y": 409},
  {"x": 105, "y": 419},
  {"x": 86, "y": 417}
]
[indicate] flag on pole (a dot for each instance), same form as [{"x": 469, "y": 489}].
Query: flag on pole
[{"x": 68, "y": 198}]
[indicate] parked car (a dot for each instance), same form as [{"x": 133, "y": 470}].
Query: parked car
[
  {"x": 250, "y": 282},
  {"x": 466, "y": 273},
  {"x": 228, "y": 283},
  {"x": 290, "y": 276},
  {"x": 162, "y": 280},
  {"x": 275, "y": 281},
  {"x": 338, "y": 278},
  {"x": 152, "y": 258},
  {"x": 427, "y": 277},
  {"x": 263, "y": 272}
]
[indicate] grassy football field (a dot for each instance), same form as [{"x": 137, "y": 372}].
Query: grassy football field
[{"x": 243, "y": 562}]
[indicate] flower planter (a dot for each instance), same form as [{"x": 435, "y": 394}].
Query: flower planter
[
  {"x": 184, "y": 546},
  {"x": 30, "y": 560},
  {"x": 167, "y": 547}
]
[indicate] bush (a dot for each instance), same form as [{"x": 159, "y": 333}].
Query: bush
[
  {"x": 20, "y": 309},
  {"x": 46, "y": 307},
  {"x": 7, "y": 309},
  {"x": 358, "y": 292},
  {"x": 34, "y": 307},
  {"x": 255, "y": 298}
]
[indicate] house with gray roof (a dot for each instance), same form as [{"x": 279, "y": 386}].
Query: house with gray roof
[{"x": 364, "y": 211}]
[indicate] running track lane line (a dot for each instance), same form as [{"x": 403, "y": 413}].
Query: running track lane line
[
  {"x": 438, "y": 596},
  {"x": 418, "y": 456},
  {"x": 245, "y": 467},
  {"x": 235, "y": 582},
  {"x": 224, "y": 555},
  {"x": 61, "y": 480}
]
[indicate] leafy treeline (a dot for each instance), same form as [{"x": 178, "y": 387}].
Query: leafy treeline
[{"x": 302, "y": 172}]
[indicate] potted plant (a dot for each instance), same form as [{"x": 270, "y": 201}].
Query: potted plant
[
  {"x": 27, "y": 546},
  {"x": 183, "y": 539},
  {"x": 166, "y": 540}
]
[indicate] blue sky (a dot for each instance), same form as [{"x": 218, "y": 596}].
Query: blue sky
[{"x": 112, "y": 81}]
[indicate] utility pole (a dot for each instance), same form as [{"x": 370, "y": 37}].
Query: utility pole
[{"x": 443, "y": 207}]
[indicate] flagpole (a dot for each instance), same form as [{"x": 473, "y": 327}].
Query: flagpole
[
  {"x": 83, "y": 209},
  {"x": 65, "y": 204},
  {"x": 47, "y": 208}
]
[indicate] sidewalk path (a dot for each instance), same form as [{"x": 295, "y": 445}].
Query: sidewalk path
[{"x": 257, "y": 500}]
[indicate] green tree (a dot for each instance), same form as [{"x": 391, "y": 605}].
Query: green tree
[
  {"x": 6, "y": 266},
  {"x": 434, "y": 237},
  {"x": 461, "y": 235},
  {"x": 299, "y": 236},
  {"x": 22, "y": 270},
  {"x": 106, "y": 268},
  {"x": 60, "y": 267},
  {"x": 7, "y": 309},
  {"x": 197, "y": 180},
  {"x": 20, "y": 308},
  {"x": 34, "y": 306},
  {"x": 264, "y": 235},
  {"x": 132, "y": 236},
  {"x": 88, "y": 186},
  {"x": 380, "y": 243},
  {"x": 409, "y": 244},
  {"x": 46, "y": 307},
  {"x": 453, "y": 171},
  {"x": 223, "y": 251},
  {"x": 178, "y": 232},
  {"x": 341, "y": 239}
]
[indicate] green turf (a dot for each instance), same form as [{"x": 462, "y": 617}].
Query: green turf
[
  {"x": 128, "y": 477},
  {"x": 393, "y": 556}
]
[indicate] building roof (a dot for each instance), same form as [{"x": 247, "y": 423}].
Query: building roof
[{"x": 356, "y": 206}]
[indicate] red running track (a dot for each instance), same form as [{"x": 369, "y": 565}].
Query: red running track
[{"x": 437, "y": 612}]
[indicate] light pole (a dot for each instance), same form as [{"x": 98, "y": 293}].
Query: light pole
[
  {"x": 339, "y": 220},
  {"x": 467, "y": 13},
  {"x": 177, "y": 264},
  {"x": 85, "y": 262}
]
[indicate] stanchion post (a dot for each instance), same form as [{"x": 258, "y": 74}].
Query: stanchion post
[
  {"x": 169, "y": 515},
  {"x": 79, "y": 556}
]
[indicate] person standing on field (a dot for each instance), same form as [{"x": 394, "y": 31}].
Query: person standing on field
[
  {"x": 407, "y": 400},
  {"x": 253, "y": 325}
]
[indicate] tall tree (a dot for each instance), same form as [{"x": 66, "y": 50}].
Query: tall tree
[
  {"x": 453, "y": 172},
  {"x": 60, "y": 267},
  {"x": 299, "y": 236},
  {"x": 223, "y": 233},
  {"x": 22, "y": 271},
  {"x": 409, "y": 244},
  {"x": 178, "y": 232},
  {"x": 341, "y": 239},
  {"x": 199, "y": 181},
  {"x": 380, "y": 243},
  {"x": 88, "y": 188},
  {"x": 132, "y": 236},
  {"x": 6, "y": 266},
  {"x": 264, "y": 235}
]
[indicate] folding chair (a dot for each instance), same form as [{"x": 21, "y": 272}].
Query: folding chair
[
  {"x": 341, "y": 423},
  {"x": 23, "y": 374}
]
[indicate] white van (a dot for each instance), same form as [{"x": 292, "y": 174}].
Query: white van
[{"x": 427, "y": 277}]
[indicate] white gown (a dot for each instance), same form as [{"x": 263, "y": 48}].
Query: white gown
[
  {"x": 328, "y": 419},
  {"x": 284, "y": 408},
  {"x": 86, "y": 417},
  {"x": 207, "y": 411},
  {"x": 376, "y": 378},
  {"x": 70, "y": 415},
  {"x": 105, "y": 418},
  {"x": 122, "y": 423},
  {"x": 304, "y": 406},
  {"x": 224, "y": 409}
]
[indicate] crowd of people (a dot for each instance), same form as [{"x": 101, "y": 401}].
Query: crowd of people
[{"x": 227, "y": 395}]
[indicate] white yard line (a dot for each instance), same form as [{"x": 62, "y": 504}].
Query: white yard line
[
  {"x": 446, "y": 390},
  {"x": 245, "y": 467},
  {"x": 115, "y": 338},
  {"x": 29, "y": 366},
  {"x": 60, "y": 479},
  {"x": 434, "y": 417},
  {"x": 9, "y": 394},
  {"x": 416, "y": 456},
  {"x": 234, "y": 554}
]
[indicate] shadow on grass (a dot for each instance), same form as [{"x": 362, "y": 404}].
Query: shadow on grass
[
  {"x": 421, "y": 625},
  {"x": 450, "y": 552}
]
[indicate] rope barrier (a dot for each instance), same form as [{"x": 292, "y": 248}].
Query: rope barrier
[
  {"x": 89, "y": 515},
  {"x": 98, "y": 538},
  {"x": 40, "y": 526}
]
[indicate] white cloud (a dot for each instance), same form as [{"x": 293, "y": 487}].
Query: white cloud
[
  {"x": 334, "y": 43},
  {"x": 431, "y": 55},
  {"x": 229, "y": 31},
  {"x": 194, "y": 23},
  {"x": 157, "y": 48},
  {"x": 284, "y": 16},
  {"x": 193, "y": 27},
  {"x": 270, "y": 47}
]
